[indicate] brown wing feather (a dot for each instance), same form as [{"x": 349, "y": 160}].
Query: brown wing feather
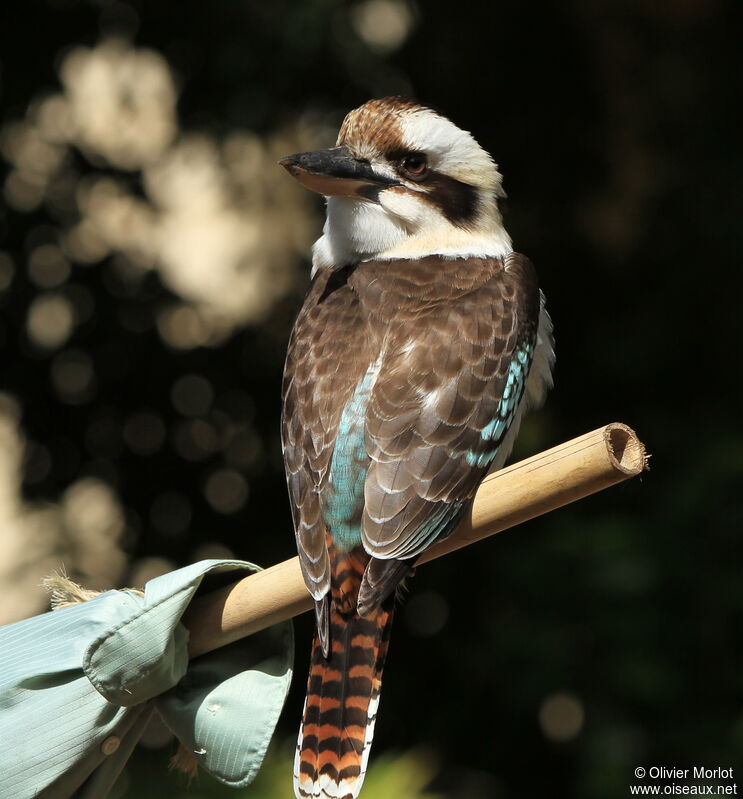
[
  {"x": 444, "y": 370},
  {"x": 319, "y": 378}
]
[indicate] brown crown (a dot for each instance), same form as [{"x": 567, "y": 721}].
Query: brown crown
[{"x": 374, "y": 125}]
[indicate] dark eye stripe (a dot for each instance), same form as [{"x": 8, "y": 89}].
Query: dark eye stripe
[{"x": 457, "y": 200}]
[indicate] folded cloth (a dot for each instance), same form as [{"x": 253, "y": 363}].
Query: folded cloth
[{"x": 77, "y": 687}]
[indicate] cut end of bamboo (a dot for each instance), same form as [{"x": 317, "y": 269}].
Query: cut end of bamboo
[
  {"x": 546, "y": 481},
  {"x": 626, "y": 451}
]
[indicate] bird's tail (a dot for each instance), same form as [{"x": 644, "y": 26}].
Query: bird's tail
[{"x": 341, "y": 705}]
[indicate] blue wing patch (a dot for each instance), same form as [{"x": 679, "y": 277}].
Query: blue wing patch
[
  {"x": 496, "y": 430},
  {"x": 344, "y": 502}
]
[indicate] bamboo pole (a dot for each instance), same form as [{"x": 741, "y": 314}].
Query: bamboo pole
[{"x": 534, "y": 486}]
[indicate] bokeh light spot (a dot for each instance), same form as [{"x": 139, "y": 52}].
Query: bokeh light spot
[
  {"x": 146, "y": 569},
  {"x": 384, "y": 25},
  {"x": 186, "y": 445},
  {"x": 84, "y": 244},
  {"x": 183, "y": 327},
  {"x": 244, "y": 449},
  {"x": 561, "y": 717},
  {"x": 73, "y": 377},
  {"x": 22, "y": 192},
  {"x": 50, "y": 320},
  {"x": 123, "y": 101},
  {"x": 48, "y": 267},
  {"x": 204, "y": 436},
  {"x": 92, "y": 510},
  {"x": 226, "y": 491}
]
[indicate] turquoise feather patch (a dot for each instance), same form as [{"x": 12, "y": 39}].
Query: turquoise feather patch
[
  {"x": 496, "y": 430},
  {"x": 348, "y": 467}
]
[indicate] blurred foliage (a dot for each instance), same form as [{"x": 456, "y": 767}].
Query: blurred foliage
[
  {"x": 550, "y": 661},
  {"x": 404, "y": 775}
]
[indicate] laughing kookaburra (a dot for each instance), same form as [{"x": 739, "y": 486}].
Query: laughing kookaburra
[{"x": 422, "y": 340}]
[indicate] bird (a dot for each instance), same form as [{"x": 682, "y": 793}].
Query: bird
[{"x": 422, "y": 340}]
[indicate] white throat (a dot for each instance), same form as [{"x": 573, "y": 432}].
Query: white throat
[{"x": 401, "y": 227}]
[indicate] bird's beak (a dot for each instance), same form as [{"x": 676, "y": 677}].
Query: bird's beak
[{"x": 336, "y": 173}]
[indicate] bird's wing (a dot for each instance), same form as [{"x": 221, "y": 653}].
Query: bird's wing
[
  {"x": 447, "y": 392},
  {"x": 324, "y": 363}
]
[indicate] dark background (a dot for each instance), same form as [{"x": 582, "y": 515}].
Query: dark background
[{"x": 616, "y": 128}]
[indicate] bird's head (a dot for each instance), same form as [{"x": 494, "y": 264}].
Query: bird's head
[{"x": 403, "y": 181}]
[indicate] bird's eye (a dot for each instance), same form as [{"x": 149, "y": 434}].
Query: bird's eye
[{"x": 414, "y": 166}]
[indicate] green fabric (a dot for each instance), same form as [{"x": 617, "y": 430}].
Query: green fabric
[{"x": 71, "y": 679}]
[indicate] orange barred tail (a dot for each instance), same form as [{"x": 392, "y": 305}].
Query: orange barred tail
[{"x": 341, "y": 705}]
